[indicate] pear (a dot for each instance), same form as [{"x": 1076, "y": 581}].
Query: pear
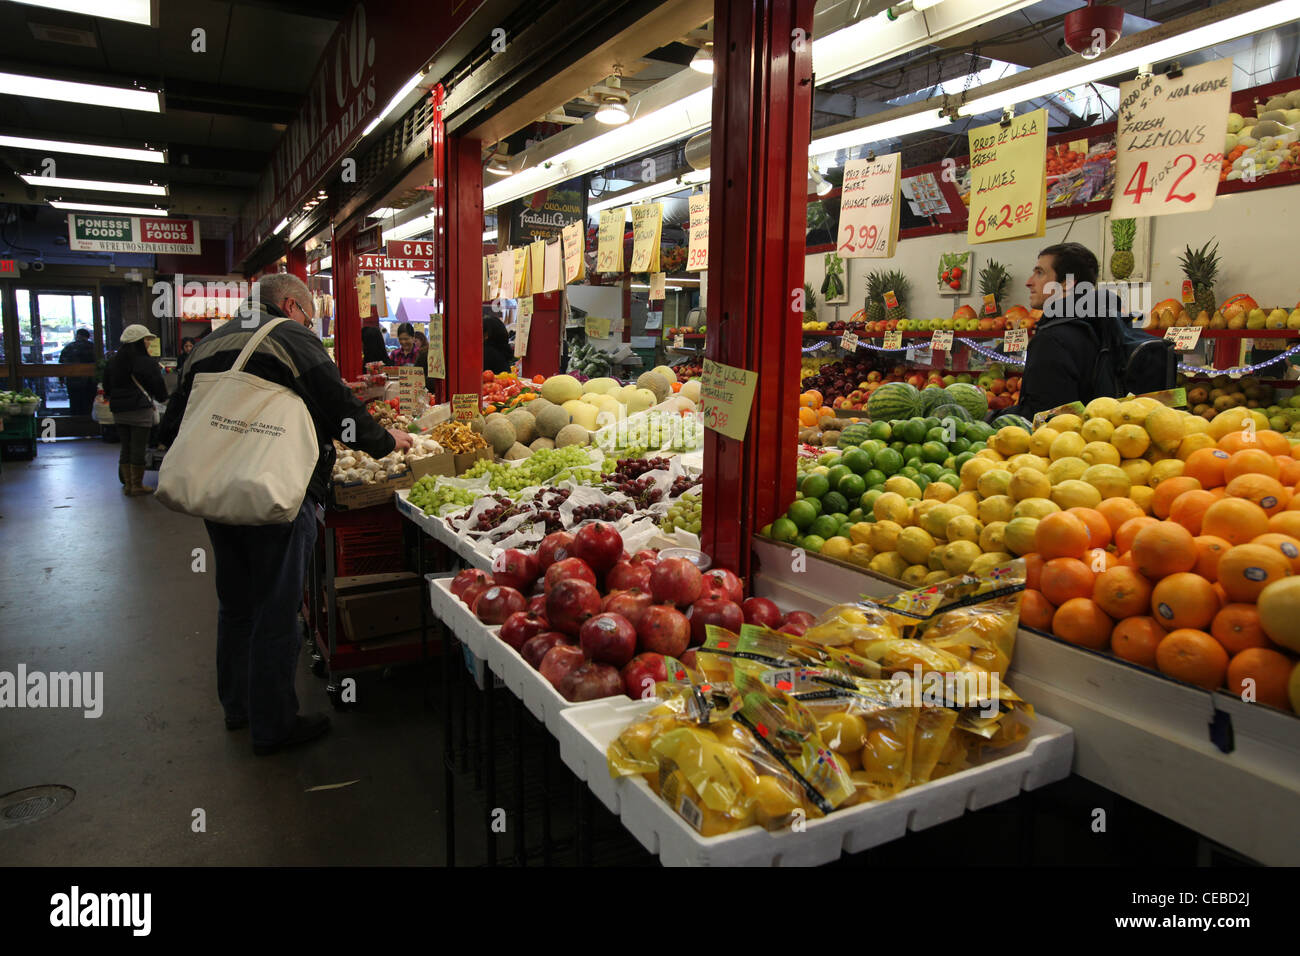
[
  {"x": 1202, "y": 321},
  {"x": 1293, "y": 320},
  {"x": 1277, "y": 319},
  {"x": 1237, "y": 320},
  {"x": 1183, "y": 319},
  {"x": 1256, "y": 319},
  {"x": 1217, "y": 321}
]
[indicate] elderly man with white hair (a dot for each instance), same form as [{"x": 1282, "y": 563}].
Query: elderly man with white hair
[{"x": 260, "y": 569}]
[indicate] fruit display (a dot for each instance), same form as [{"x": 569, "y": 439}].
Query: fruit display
[
  {"x": 353, "y": 466},
  {"x": 684, "y": 513},
  {"x": 457, "y": 437},
  {"x": 505, "y": 391},
  {"x": 1221, "y": 393},
  {"x": 435, "y": 498},
  {"x": 688, "y": 371},
  {"x": 24, "y": 402},
  {"x": 388, "y": 413},
  {"x": 1265, "y": 143}
]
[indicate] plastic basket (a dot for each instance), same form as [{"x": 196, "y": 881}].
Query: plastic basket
[{"x": 367, "y": 541}]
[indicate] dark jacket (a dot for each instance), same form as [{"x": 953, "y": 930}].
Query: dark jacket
[
  {"x": 79, "y": 352},
  {"x": 292, "y": 356},
  {"x": 122, "y": 393}
]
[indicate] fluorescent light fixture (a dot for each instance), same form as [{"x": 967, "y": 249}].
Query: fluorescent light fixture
[
  {"x": 85, "y": 94},
  {"x": 280, "y": 228},
  {"x": 95, "y": 207},
  {"x": 653, "y": 191},
  {"x": 408, "y": 230},
  {"x": 667, "y": 288},
  {"x": 130, "y": 11},
  {"x": 85, "y": 149},
  {"x": 400, "y": 95},
  {"x": 702, "y": 62},
  {"x": 499, "y": 164},
  {"x": 490, "y": 235},
  {"x": 383, "y": 213},
  {"x": 60, "y": 182},
  {"x": 890, "y": 129}
]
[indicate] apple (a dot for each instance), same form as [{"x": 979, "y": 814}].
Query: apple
[
  {"x": 537, "y": 605},
  {"x": 570, "y": 603},
  {"x": 467, "y": 577},
  {"x": 724, "y": 583},
  {"x": 516, "y": 569},
  {"x": 559, "y": 661},
  {"x": 591, "y": 681},
  {"x": 631, "y": 603},
  {"x": 556, "y": 546},
  {"x": 641, "y": 673},
  {"x": 520, "y": 626},
  {"x": 536, "y": 647},
  {"x": 762, "y": 612},
  {"x": 714, "y": 610},
  {"x": 663, "y": 630},
  {"x": 599, "y": 544},
  {"x": 608, "y": 638},
  {"x": 625, "y": 575},
  {"x": 497, "y": 603},
  {"x": 569, "y": 568},
  {"x": 676, "y": 581}
]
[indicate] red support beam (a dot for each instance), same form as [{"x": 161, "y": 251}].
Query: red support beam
[
  {"x": 545, "y": 335},
  {"x": 463, "y": 319},
  {"x": 297, "y": 261},
  {"x": 347, "y": 317},
  {"x": 762, "y": 101}
]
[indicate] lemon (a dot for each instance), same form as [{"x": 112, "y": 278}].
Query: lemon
[
  {"x": 890, "y": 564},
  {"x": 1011, "y": 440},
  {"x": 991, "y": 537},
  {"x": 1154, "y": 454},
  {"x": 1041, "y": 441},
  {"x": 1065, "y": 423},
  {"x": 996, "y": 508},
  {"x": 971, "y": 471},
  {"x": 963, "y": 527},
  {"x": 884, "y": 536},
  {"x": 995, "y": 482},
  {"x": 914, "y": 575},
  {"x": 1261, "y": 420},
  {"x": 934, "y": 577},
  {"x": 1063, "y": 469},
  {"x": 958, "y": 555},
  {"x": 1165, "y": 426},
  {"x": 1111, "y": 481},
  {"x": 1029, "y": 483},
  {"x": 989, "y": 453},
  {"x": 915, "y": 545},
  {"x": 1195, "y": 425},
  {"x": 987, "y": 562},
  {"x": 891, "y": 506},
  {"x": 1102, "y": 408},
  {"x": 1027, "y": 460},
  {"x": 1137, "y": 469},
  {"x": 1149, "y": 405},
  {"x": 939, "y": 491},
  {"x": 1100, "y": 453},
  {"x": 935, "y": 560},
  {"x": 1228, "y": 421},
  {"x": 1170, "y": 468},
  {"x": 1067, "y": 445},
  {"x": 902, "y": 485},
  {"x": 968, "y": 502},
  {"x": 836, "y": 547},
  {"x": 1019, "y": 535},
  {"x": 1035, "y": 508},
  {"x": 860, "y": 533},
  {"x": 935, "y": 521},
  {"x": 1074, "y": 493},
  {"x": 1132, "y": 412},
  {"x": 1142, "y": 495},
  {"x": 1131, "y": 441},
  {"x": 1194, "y": 442},
  {"x": 861, "y": 555},
  {"x": 1097, "y": 429}
]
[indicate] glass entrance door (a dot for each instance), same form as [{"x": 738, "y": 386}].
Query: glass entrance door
[{"x": 58, "y": 344}]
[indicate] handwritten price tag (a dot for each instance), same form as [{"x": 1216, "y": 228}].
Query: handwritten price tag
[
  {"x": 1016, "y": 340},
  {"x": 726, "y": 395},
  {"x": 849, "y": 342},
  {"x": 609, "y": 240},
  {"x": 679, "y": 341},
  {"x": 464, "y": 406},
  {"x": 1184, "y": 337},
  {"x": 893, "y": 340},
  {"x": 697, "y": 256},
  {"x": 1008, "y": 179},
  {"x": 941, "y": 340},
  {"x": 868, "y": 226}
]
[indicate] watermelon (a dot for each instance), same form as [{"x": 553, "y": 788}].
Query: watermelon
[
  {"x": 1002, "y": 421},
  {"x": 853, "y": 435},
  {"x": 892, "y": 401},
  {"x": 932, "y": 396},
  {"x": 969, "y": 397},
  {"x": 952, "y": 411}
]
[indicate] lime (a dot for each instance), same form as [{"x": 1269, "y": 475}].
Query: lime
[
  {"x": 935, "y": 451},
  {"x": 908, "y": 471},
  {"x": 844, "y": 531},
  {"x": 959, "y": 444},
  {"x": 979, "y": 431},
  {"x": 937, "y": 434},
  {"x": 824, "y": 526},
  {"x": 912, "y": 431},
  {"x": 783, "y": 529},
  {"x": 816, "y": 505},
  {"x": 812, "y": 543},
  {"x": 961, "y": 459},
  {"x": 828, "y": 459},
  {"x": 872, "y": 445},
  {"x": 932, "y": 470},
  {"x": 921, "y": 480},
  {"x": 915, "y": 462},
  {"x": 851, "y": 486},
  {"x": 814, "y": 486},
  {"x": 888, "y": 461},
  {"x": 912, "y": 450},
  {"x": 836, "y": 473},
  {"x": 932, "y": 422},
  {"x": 765, "y": 531},
  {"x": 856, "y": 514},
  {"x": 836, "y": 501},
  {"x": 951, "y": 479},
  {"x": 977, "y": 446},
  {"x": 801, "y": 515},
  {"x": 880, "y": 431},
  {"x": 868, "y": 501},
  {"x": 856, "y": 460},
  {"x": 840, "y": 517},
  {"x": 874, "y": 477},
  {"x": 898, "y": 446}
]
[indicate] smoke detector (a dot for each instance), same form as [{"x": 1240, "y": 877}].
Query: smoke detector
[{"x": 1090, "y": 31}]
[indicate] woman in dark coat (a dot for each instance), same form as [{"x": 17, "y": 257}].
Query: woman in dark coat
[
  {"x": 372, "y": 345},
  {"x": 497, "y": 354},
  {"x": 133, "y": 381}
]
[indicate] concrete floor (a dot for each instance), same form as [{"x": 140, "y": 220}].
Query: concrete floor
[{"x": 93, "y": 581}]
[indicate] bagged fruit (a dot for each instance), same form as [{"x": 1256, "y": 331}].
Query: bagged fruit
[{"x": 775, "y": 649}]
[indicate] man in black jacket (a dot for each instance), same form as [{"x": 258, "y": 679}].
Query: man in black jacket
[
  {"x": 81, "y": 388},
  {"x": 260, "y": 569}
]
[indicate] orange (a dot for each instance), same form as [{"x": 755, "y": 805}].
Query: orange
[
  {"x": 1206, "y": 466},
  {"x": 1192, "y": 656},
  {"x": 1066, "y": 578},
  {"x": 1237, "y": 627},
  {"x": 1238, "y": 440},
  {"x": 1122, "y": 592},
  {"x": 1099, "y": 559},
  {"x": 1169, "y": 489},
  {"x": 1189, "y": 508},
  {"x": 1250, "y": 461},
  {"x": 807, "y": 417},
  {"x": 1164, "y": 548},
  {"x": 1235, "y": 519},
  {"x": 1271, "y": 672},
  {"x": 1136, "y": 639},
  {"x": 811, "y": 399},
  {"x": 1118, "y": 510},
  {"x": 1288, "y": 470},
  {"x": 1269, "y": 493},
  {"x": 1036, "y": 611},
  {"x": 825, "y": 412},
  {"x": 1126, "y": 560},
  {"x": 1209, "y": 549},
  {"x": 1126, "y": 532},
  {"x": 1061, "y": 535},
  {"x": 1285, "y": 522},
  {"x": 1098, "y": 527},
  {"x": 1248, "y": 568},
  {"x": 1295, "y": 499},
  {"x": 1287, "y": 545},
  {"x": 1219, "y": 492},
  {"x": 1033, "y": 569},
  {"x": 1184, "y": 600},
  {"x": 1274, "y": 443},
  {"x": 1081, "y": 622},
  {"x": 1221, "y": 594}
]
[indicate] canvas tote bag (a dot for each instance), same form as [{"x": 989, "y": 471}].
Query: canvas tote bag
[{"x": 246, "y": 448}]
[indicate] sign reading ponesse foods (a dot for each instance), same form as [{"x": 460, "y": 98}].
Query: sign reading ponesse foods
[{"x": 88, "y": 232}]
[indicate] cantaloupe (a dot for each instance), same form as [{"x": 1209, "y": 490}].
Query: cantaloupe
[
  {"x": 561, "y": 388},
  {"x": 540, "y": 443},
  {"x": 500, "y": 434},
  {"x": 525, "y": 425},
  {"x": 550, "y": 420},
  {"x": 516, "y": 451},
  {"x": 572, "y": 435},
  {"x": 655, "y": 383}
]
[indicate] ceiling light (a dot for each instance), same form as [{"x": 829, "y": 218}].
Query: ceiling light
[
  {"x": 94, "y": 207},
  {"x": 819, "y": 183},
  {"x": 400, "y": 95},
  {"x": 383, "y": 213},
  {"x": 60, "y": 182},
  {"x": 611, "y": 101},
  {"x": 131, "y": 11},
  {"x": 499, "y": 163},
  {"x": 84, "y": 94},
  {"x": 647, "y": 193},
  {"x": 280, "y": 228},
  {"x": 702, "y": 62},
  {"x": 85, "y": 149}
]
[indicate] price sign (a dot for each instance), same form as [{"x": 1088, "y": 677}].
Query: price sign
[
  {"x": 1008, "y": 180},
  {"x": 726, "y": 395},
  {"x": 697, "y": 254},
  {"x": 1184, "y": 337},
  {"x": 1016, "y": 340},
  {"x": 1169, "y": 141},
  {"x": 523, "y": 326},
  {"x": 410, "y": 389},
  {"x": 893, "y": 340},
  {"x": 849, "y": 342},
  {"x": 437, "y": 351},
  {"x": 609, "y": 240},
  {"x": 1189, "y": 293},
  {"x": 506, "y": 270},
  {"x": 647, "y": 225},
  {"x": 523, "y": 273},
  {"x": 493, "y": 277},
  {"x": 363, "y": 296},
  {"x": 597, "y": 328},
  {"x": 1079, "y": 146},
  {"x": 574, "y": 247},
  {"x": 464, "y": 406},
  {"x": 941, "y": 340},
  {"x": 656, "y": 286},
  {"x": 679, "y": 341},
  {"x": 868, "y": 227}
]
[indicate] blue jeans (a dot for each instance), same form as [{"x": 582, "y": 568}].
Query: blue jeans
[{"x": 260, "y": 572}]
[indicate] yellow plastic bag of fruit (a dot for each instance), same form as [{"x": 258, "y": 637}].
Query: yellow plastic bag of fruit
[{"x": 774, "y": 649}]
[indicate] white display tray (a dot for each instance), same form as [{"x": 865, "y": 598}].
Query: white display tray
[
  {"x": 1042, "y": 758},
  {"x": 438, "y": 529},
  {"x": 457, "y": 616}
]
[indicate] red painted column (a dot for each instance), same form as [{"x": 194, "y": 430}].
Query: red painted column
[
  {"x": 297, "y": 256},
  {"x": 347, "y": 316},
  {"x": 545, "y": 336},
  {"x": 463, "y": 318},
  {"x": 762, "y": 100}
]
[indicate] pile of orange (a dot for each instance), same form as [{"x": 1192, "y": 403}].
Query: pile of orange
[
  {"x": 1207, "y": 591},
  {"x": 811, "y": 410}
]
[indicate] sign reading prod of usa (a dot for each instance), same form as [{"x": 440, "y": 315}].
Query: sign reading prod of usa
[{"x": 97, "y": 232}]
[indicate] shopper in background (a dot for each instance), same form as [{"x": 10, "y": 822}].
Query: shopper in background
[
  {"x": 405, "y": 354},
  {"x": 372, "y": 345},
  {"x": 260, "y": 569},
  {"x": 81, "y": 388},
  {"x": 497, "y": 354},
  {"x": 421, "y": 342},
  {"x": 133, "y": 380},
  {"x": 187, "y": 346}
]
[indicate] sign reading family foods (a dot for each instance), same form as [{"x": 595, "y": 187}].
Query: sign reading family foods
[
  {"x": 697, "y": 256},
  {"x": 726, "y": 395},
  {"x": 869, "y": 208},
  {"x": 96, "y": 232},
  {"x": 1169, "y": 143},
  {"x": 1008, "y": 180}
]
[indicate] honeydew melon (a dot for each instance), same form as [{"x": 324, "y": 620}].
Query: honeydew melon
[
  {"x": 560, "y": 389},
  {"x": 602, "y": 386},
  {"x": 582, "y": 413},
  {"x": 691, "y": 390},
  {"x": 641, "y": 400}
]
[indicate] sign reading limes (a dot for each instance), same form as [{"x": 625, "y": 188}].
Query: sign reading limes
[
  {"x": 726, "y": 395},
  {"x": 1008, "y": 179}
]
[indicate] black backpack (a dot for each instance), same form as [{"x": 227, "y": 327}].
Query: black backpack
[{"x": 1129, "y": 361}]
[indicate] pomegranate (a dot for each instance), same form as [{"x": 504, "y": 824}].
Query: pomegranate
[
  {"x": 591, "y": 681},
  {"x": 599, "y": 544},
  {"x": 535, "y": 647},
  {"x": 631, "y": 603},
  {"x": 474, "y": 591},
  {"x": 467, "y": 577},
  {"x": 497, "y": 603},
  {"x": 725, "y": 584},
  {"x": 676, "y": 581},
  {"x": 762, "y": 612},
  {"x": 570, "y": 603},
  {"x": 626, "y": 575},
  {"x": 559, "y": 660},
  {"x": 663, "y": 630},
  {"x": 574, "y": 568},
  {"x": 608, "y": 638},
  {"x": 515, "y": 569},
  {"x": 537, "y": 605},
  {"x": 520, "y": 626},
  {"x": 556, "y": 546},
  {"x": 641, "y": 673},
  {"x": 717, "y": 611}
]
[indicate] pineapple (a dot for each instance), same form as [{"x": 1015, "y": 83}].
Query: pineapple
[
  {"x": 1201, "y": 267},
  {"x": 994, "y": 280},
  {"x": 875, "y": 308},
  {"x": 896, "y": 282},
  {"x": 809, "y": 303},
  {"x": 1121, "y": 260}
]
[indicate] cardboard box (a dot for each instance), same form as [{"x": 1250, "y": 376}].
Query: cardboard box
[
  {"x": 467, "y": 460},
  {"x": 444, "y": 464},
  {"x": 379, "y": 606},
  {"x": 369, "y": 494}
]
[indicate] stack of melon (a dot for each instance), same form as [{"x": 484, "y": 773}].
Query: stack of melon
[{"x": 897, "y": 400}]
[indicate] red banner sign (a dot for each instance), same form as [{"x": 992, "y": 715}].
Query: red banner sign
[
  {"x": 390, "y": 264},
  {"x": 404, "y": 248}
]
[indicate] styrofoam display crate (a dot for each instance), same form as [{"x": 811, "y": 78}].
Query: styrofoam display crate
[
  {"x": 438, "y": 529},
  {"x": 1042, "y": 758}
]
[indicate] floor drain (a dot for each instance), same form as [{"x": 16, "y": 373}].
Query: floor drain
[{"x": 33, "y": 804}]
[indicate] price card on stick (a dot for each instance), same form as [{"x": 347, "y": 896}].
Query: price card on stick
[
  {"x": 726, "y": 395},
  {"x": 1008, "y": 180},
  {"x": 536, "y": 267},
  {"x": 697, "y": 253},
  {"x": 552, "y": 277},
  {"x": 574, "y": 247},
  {"x": 437, "y": 350},
  {"x": 523, "y": 326},
  {"x": 506, "y": 274},
  {"x": 868, "y": 226},
  {"x": 1169, "y": 141},
  {"x": 893, "y": 340},
  {"x": 1016, "y": 340},
  {"x": 1184, "y": 337},
  {"x": 656, "y": 286},
  {"x": 609, "y": 240},
  {"x": 941, "y": 340},
  {"x": 647, "y": 225},
  {"x": 410, "y": 390},
  {"x": 464, "y": 406},
  {"x": 849, "y": 342},
  {"x": 363, "y": 296},
  {"x": 597, "y": 328}
]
